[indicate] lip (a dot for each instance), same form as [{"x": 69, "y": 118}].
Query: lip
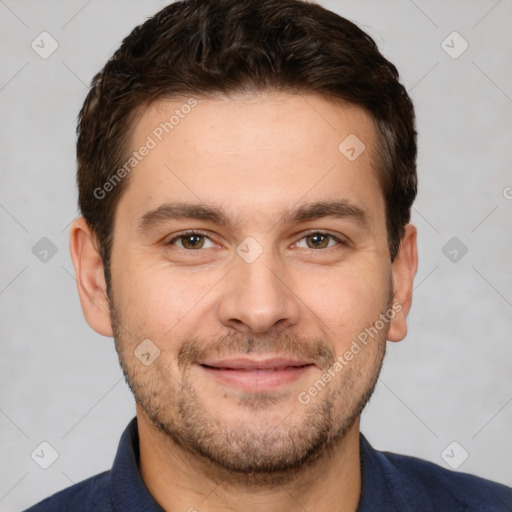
[{"x": 257, "y": 375}]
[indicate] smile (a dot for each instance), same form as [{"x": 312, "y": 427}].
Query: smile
[{"x": 253, "y": 375}]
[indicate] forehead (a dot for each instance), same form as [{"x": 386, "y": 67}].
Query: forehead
[{"x": 253, "y": 152}]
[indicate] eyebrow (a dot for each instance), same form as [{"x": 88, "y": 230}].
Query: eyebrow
[
  {"x": 177, "y": 211},
  {"x": 341, "y": 209}
]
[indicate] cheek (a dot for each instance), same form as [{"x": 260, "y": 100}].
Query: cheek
[
  {"x": 156, "y": 302},
  {"x": 347, "y": 301}
]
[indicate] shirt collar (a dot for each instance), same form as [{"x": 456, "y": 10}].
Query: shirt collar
[
  {"x": 384, "y": 487},
  {"x": 129, "y": 493}
]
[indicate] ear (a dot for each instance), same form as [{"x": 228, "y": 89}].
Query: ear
[
  {"x": 403, "y": 271},
  {"x": 90, "y": 278}
]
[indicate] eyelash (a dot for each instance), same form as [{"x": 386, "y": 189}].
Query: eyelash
[{"x": 305, "y": 235}]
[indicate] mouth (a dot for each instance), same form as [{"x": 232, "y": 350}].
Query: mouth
[{"x": 256, "y": 375}]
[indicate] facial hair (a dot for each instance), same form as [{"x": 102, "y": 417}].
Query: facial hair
[{"x": 260, "y": 453}]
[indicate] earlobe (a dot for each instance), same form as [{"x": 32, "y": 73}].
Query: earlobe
[
  {"x": 403, "y": 272},
  {"x": 90, "y": 277}
]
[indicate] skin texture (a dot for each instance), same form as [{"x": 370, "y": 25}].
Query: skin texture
[{"x": 205, "y": 443}]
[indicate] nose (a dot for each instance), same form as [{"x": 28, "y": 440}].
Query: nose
[{"x": 258, "y": 297}]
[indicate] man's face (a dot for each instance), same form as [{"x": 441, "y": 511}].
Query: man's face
[{"x": 294, "y": 266}]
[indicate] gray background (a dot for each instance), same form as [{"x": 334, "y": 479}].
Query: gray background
[{"x": 450, "y": 380}]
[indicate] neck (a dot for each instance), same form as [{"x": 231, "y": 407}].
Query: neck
[{"x": 180, "y": 480}]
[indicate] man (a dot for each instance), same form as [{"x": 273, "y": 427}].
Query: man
[{"x": 246, "y": 171}]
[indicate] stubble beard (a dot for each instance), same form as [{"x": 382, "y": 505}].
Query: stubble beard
[{"x": 252, "y": 455}]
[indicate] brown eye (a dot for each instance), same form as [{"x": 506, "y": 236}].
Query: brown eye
[
  {"x": 192, "y": 241},
  {"x": 317, "y": 241}
]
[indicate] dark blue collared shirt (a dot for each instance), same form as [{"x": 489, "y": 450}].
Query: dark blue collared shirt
[{"x": 391, "y": 483}]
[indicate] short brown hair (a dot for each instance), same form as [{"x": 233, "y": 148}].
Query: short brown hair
[{"x": 211, "y": 47}]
